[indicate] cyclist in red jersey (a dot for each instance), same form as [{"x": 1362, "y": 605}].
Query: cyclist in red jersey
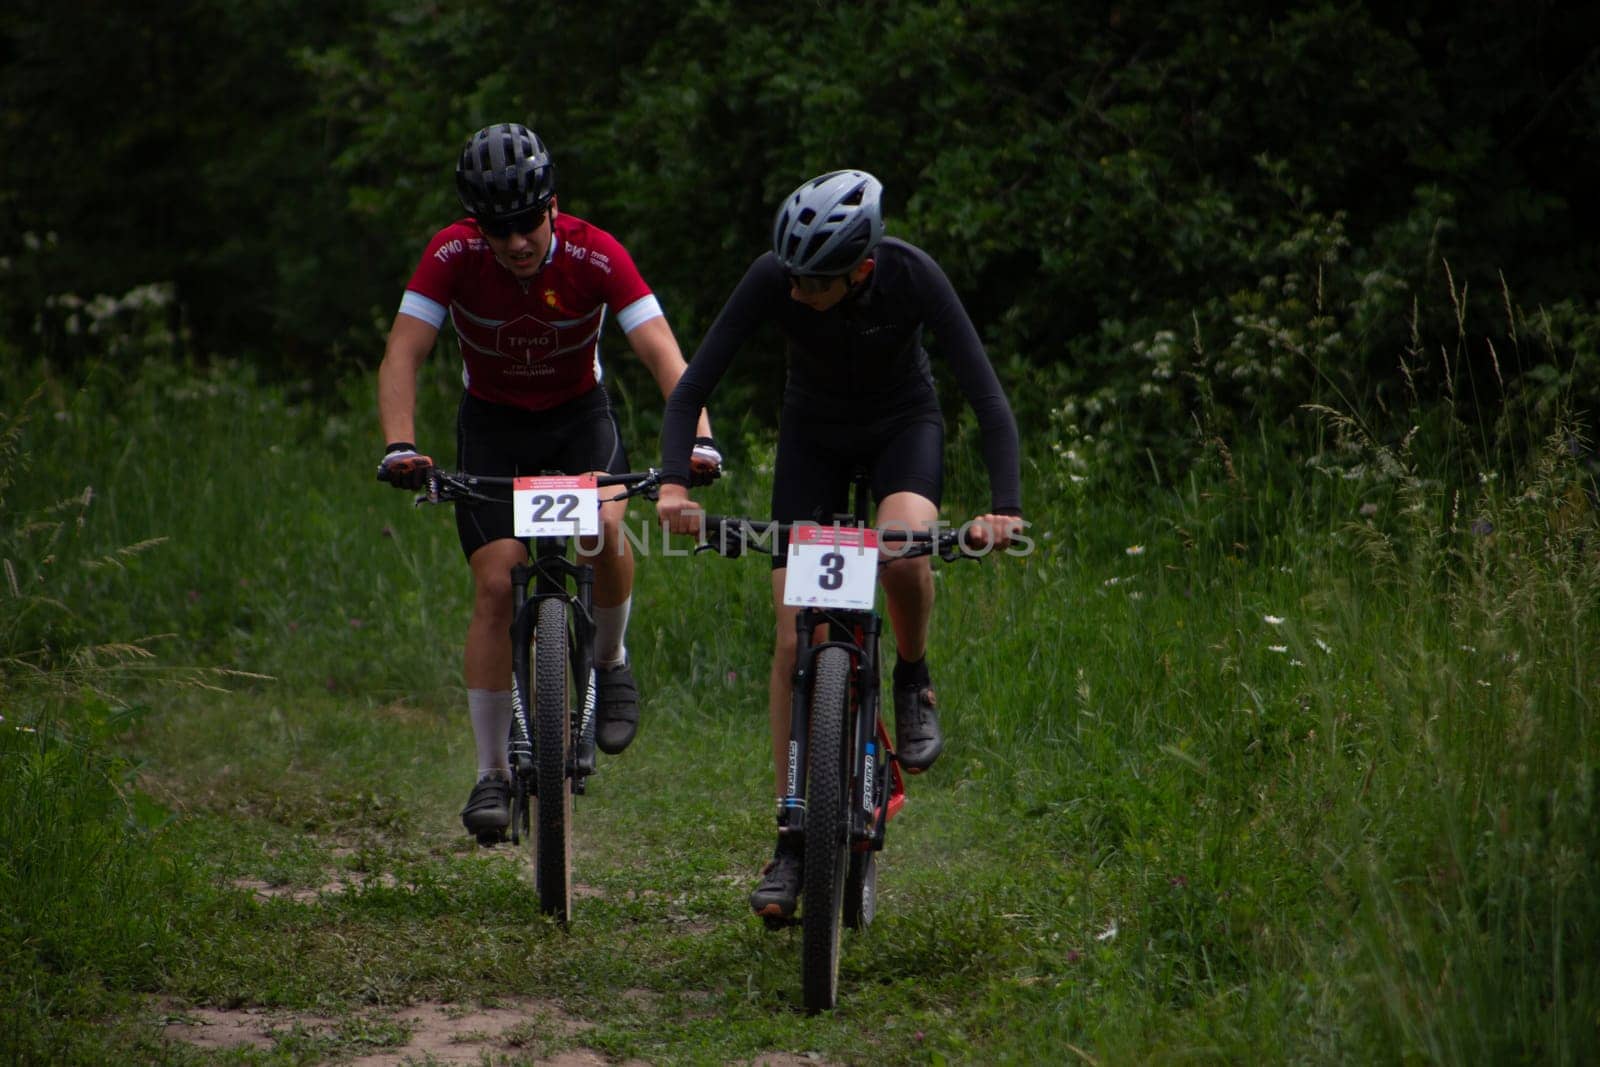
[{"x": 527, "y": 290}]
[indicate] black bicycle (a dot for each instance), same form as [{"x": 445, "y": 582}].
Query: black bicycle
[
  {"x": 844, "y": 782},
  {"x": 552, "y": 752}
]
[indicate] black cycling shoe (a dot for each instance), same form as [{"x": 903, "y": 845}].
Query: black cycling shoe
[
  {"x": 617, "y": 711},
  {"x": 488, "y": 810},
  {"x": 918, "y": 740},
  {"x": 778, "y": 893}
]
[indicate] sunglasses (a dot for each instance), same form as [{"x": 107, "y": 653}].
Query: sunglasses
[
  {"x": 814, "y": 284},
  {"x": 525, "y": 223}
]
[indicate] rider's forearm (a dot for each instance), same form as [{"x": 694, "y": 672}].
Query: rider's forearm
[
  {"x": 397, "y": 402},
  {"x": 410, "y": 341}
]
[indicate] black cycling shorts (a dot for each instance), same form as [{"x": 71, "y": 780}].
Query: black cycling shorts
[
  {"x": 817, "y": 459},
  {"x": 503, "y": 441}
]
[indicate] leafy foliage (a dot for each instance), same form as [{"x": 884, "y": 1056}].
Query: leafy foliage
[{"x": 1090, "y": 177}]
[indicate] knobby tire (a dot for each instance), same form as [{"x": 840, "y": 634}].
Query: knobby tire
[
  {"x": 827, "y": 849},
  {"x": 552, "y": 719}
]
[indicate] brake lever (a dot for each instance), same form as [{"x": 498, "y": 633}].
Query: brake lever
[{"x": 729, "y": 544}]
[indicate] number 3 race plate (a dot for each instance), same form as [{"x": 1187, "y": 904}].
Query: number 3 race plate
[{"x": 832, "y": 567}]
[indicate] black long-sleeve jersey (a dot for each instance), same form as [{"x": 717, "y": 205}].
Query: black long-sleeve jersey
[{"x": 860, "y": 361}]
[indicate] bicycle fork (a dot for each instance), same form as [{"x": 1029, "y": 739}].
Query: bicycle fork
[
  {"x": 869, "y": 802},
  {"x": 583, "y": 678},
  {"x": 548, "y": 577},
  {"x": 522, "y": 620},
  {"x": 867, "y": 817}
]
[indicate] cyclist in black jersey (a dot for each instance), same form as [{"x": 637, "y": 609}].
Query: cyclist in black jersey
[{"x": 853, "y": 305}]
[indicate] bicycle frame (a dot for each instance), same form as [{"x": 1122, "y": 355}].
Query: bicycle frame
[
  {"x": 551, "y": 744},
  {"x": 838, "y": 745},
  {"x": 857, "y": 632}
]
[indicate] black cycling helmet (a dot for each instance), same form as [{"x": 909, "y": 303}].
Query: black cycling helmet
[
  {"x": 505, "y": 171},
  {"x": 830, "y": 224}
]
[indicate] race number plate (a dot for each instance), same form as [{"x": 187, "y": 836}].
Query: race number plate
[
  {"x": 831, "y": 567},
  {"x": 555, "y": 506}
]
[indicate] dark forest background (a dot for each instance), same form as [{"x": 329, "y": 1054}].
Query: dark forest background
[{"x": 1151, "y": 210}]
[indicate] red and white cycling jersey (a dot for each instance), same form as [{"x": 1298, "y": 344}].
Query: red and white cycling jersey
[{"x": 533, "y": 343}]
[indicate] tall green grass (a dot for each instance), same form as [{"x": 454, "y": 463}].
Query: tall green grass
[{"x": 1295, "y": 760}]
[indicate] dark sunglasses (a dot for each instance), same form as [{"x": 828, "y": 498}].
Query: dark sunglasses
[
  {"x": 525, "y": 223},
  {"x": 814, "y": 284}
]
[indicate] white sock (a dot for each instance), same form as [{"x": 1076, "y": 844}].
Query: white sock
[
  {"x": 610, "y": 627},
  {"x": 490, "y": 710}
]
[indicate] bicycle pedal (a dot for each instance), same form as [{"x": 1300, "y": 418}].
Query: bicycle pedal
[
  {"x": 778, "y": 922},
  {"x": 491, "y": 838}
]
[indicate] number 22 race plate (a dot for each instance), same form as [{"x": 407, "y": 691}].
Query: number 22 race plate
[{"x": 555, "y": 506}]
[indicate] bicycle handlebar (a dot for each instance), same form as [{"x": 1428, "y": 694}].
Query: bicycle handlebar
[
  {"x": 730, "y": 535},
  {"x": 446, "y": 487}
]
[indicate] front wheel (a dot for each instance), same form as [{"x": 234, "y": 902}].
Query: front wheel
[
  {"x": 827, "y": 827},
  {"x": 552, "y": 864}
]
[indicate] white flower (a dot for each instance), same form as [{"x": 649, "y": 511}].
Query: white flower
[
  {"x": 1280, "y": 649},
  {"x": 1272, "y": 620},
  {"x": 1108, "y": 933},
  {"x": 1134, "y": 550},
  {"x": 1323, "y": 645}
]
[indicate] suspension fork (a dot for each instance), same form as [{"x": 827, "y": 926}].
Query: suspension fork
[
  {"x": 583, "y": 675},
  {"x": 522, "y": 620},
  {"x": 553, "y": 569},
  {"x": 865, "y": 818},
  {"x": 792, "y": 808}
]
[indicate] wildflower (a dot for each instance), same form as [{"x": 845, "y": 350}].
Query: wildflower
[
  {"x": 1320, "y": 643},
  {"x": 1482, "y": 527},
  {"x": 1369, "y": 510},
  {"x": 1134, "y": 550},
  {"x": 1280, "y": 649},
  {"x": 1108, "y": 933},
  {"x": 1272, "y": 620}
]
